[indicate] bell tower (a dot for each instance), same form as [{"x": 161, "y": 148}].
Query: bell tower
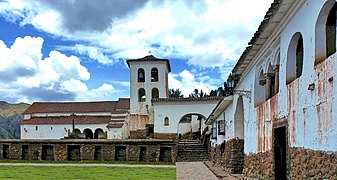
[{"x": 148, "y": 79}]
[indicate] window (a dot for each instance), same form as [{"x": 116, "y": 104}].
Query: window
[
  {"x": 325, "y": 32},
  {"x": 295, "y": 58},
  {"x": 154, "y": 75},
  {"x": 330, "y": 29},
  {"x": 166, "y": 121},
  {"x": 299, "y": 57},
  {"x": 141, "y": 95},
  {"x": 221, "y": 127},
  {"x": 36, "y": 128},
  {"x": 214, "y": 133},
  {"x": 155, "y": 93},
  {"x": 141, "y": 75}
]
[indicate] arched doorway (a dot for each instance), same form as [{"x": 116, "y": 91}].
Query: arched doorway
[
  {"x": 189, "y": 126},
  {"x": 239, "y": 122},
  {"x": 88, "y": 134},
  {"x": 99, "y": 134}
]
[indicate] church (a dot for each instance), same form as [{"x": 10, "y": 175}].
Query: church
[{"x": 148, "y": 113}]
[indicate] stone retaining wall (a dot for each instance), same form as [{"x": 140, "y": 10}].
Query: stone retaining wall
[
  {"x": 230, "y": 155},
  {"x": 139, "y": 134},
  {"x": 310, "y": 164},
  {"x": 302, "y": 164},
  {"x": 60, "y": 149},
  {"x": 165, "y": 136},
  {"x": 259, "y": 166}
]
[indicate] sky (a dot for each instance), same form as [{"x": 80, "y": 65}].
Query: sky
[{"x": 76, "y": 50}]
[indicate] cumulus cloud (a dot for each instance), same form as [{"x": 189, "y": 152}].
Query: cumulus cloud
[
  {"x": 206, "y": 33},
  {"x": 25, "y": 76},
  {"x": 186, "y": 82}
]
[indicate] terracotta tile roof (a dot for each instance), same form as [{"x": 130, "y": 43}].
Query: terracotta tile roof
[
  {"x": 115, "y": 107},
  {"x": 187, "y": 99},
  {"x": 68, "y": 120},
  {"x": 150, "y": 58},
  {"x": 123, "y": 103}
]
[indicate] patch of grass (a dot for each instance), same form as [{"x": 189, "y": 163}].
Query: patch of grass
[
  {"x": 68, "y": 172},
  {"x": 86, "y": 162}
]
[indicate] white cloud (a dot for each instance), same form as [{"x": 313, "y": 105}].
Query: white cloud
[
  {"x": 25, "y": 76},
  {"x": 101, "y": 93},
  {"x": 207, "y": 33},
  {"x": 189, "y": 82}
]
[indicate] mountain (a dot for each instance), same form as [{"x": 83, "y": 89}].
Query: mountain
[{"x": 10, "y": 117}]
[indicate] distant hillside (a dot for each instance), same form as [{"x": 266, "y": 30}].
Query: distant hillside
[{"x": 10, "y": 117}]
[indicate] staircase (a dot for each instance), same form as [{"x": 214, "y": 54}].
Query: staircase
[{"x": 191, "y": 151}]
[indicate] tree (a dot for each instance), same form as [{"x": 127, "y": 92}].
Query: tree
[{"x": 175, "y": 93}]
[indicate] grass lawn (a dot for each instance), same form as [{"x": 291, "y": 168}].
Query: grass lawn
[{"x": 67, "y": 172}]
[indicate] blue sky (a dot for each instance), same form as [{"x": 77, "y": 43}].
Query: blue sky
[{"x": 75, "y": 50}]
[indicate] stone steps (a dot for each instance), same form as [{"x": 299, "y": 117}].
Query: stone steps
[{"x": 191, "y": 151}]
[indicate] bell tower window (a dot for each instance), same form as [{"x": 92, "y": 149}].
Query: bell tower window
[
  {"x": 154, "y": 75},
  {"x": 141, "y": 75}
]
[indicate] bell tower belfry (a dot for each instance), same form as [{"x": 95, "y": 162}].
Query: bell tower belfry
[{"x": 148, "y": 79}]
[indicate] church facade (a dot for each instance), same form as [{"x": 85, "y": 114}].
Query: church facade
[{"x": 148, "y": 113}]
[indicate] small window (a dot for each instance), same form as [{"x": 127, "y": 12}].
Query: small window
[
  {"x": 294, "y": 58},
  {"x": 141, "y": 95},
  {"x": 155, "y": 93},
  {"x": 36, "y": 128},
  {"x": 154, "y": 75},
  {"x": 166, "y": 121},
  {"x": 51, "y": 128},
  {"x": 141, "y": 75},
  {"x": 214, "y": 128}
]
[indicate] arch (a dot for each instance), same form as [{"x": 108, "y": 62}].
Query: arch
[
  {"x": 77, "y": 131},
  {"x": 259, "y": 89},
  {"x": 141, "y": 95},
  {"x": 270, "y": 82},
  {"x": 99, "y": 133},
  {"x": 325, "y": 32},
  {"x": 239, "y": 122},
  {"x": 295, "y": 58},
  {"x": 166, "y": 121},
  {"x": 155, "y": 93},
  {"x": 154, "y": 75},
  {"x": 141, "y": 75},
  {"x": 88, "y": 133},
  {"x": 189, "y": 126}
]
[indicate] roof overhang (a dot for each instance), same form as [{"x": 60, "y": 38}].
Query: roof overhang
[{"x": 219, "y": 109}]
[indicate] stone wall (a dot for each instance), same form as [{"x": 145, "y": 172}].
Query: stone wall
[
  {"x": 259, "y": 166},
  {"x": 230, "y": 155},
  {"x": 302, "y": 164},
  {"x": 60, "y": 149},
  {"x": 310, "y": 164},
  {"x": 165, "y": 136},
  {"x": 139, "y": 134}
]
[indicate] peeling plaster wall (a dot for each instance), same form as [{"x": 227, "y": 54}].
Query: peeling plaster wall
[{"x": 310, "y": 114}]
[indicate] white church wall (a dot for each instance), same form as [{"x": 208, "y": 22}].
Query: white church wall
[
  {"x": 176, "y": 110},
  {"x": 140, "y": 107},
  {"x": 55, "y": 131}
]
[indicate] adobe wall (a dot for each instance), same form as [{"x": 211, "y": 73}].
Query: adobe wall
[{"x": 109, "y": 150}]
